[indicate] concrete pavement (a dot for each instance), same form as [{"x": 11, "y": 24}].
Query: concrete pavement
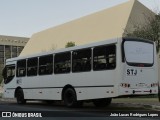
[{"x": 151, "y": 105}]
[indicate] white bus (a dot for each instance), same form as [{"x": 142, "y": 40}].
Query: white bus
[{"x": 94, "y": 72}]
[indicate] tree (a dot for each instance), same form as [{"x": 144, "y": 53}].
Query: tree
[
  {"x": 150, "y": 31},
  {"x": 70, "y": 44}
]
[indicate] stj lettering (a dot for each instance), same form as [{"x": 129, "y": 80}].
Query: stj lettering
[{"x": 131, "y": 72}]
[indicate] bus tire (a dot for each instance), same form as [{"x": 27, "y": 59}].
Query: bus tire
[
  {"x": 20, "y": 96},
  {"x": 70, "y": 98},
  {"x": 102, "y": 102}
]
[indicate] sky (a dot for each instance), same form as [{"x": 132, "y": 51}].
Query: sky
[{"x": 23, "y": 18}]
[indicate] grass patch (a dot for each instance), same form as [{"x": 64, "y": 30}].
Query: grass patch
[
  {"x": 124, "y": 108},
  {"x": 117, "y": 107},
  {"x": 136, "y": 100}
]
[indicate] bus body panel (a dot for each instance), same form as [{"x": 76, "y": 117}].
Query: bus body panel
[
  {"x": 84, "y": 85},
  {"x": 141, "y": 80},
  {"x": 140, "y": 83},
  {"x": 87, "y": 85},
  {"x": 9, "y": 93},
  {"x": 43, "y": 94}
]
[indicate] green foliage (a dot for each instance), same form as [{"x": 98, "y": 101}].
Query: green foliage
[
  {"x": 1, "y": 69},
  {"x": 1, "y": 79},
  {"x": 70, "y": 44},
  {"x": 150, "y": 31}
]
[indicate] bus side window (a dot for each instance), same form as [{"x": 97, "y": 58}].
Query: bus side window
[
  {"x": 21, "y": 68},
  {"x": 32, "y": 65},
  {"x": 104, "y": 57},
  {"x": 62, "y": 63},
  {"x": 46, "y": 65},
  {"x": 81, "y": 60}
]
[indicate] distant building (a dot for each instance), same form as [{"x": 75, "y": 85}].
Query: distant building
[
  {"x": 10, "y": 47},
  {"x": 103, "y": 25}
]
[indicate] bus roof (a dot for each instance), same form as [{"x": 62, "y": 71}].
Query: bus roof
[{"x": 110, "y": 41}]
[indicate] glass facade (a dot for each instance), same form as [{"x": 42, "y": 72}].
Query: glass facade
[
  {"x": 14, "y": 51},
  {"x": 8, "y": 51}
]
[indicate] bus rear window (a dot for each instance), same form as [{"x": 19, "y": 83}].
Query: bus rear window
[{"x": 139, "y": 53}]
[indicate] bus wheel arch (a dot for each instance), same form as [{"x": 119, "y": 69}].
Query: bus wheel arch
[
  {"x": 69, "y": 96},
  {"x": 18, "y": 88},
  {"x": 19, "y": 95},
  {"x": 65, "y": 88}
]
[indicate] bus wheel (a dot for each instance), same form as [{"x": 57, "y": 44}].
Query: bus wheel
[
  {"x": 70, "y": 98},
  {"x": 20, "y": 97},
  {"x": 102, "y": 102}
]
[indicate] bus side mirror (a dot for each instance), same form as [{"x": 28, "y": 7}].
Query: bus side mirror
[{"x": 4, "y": 73}]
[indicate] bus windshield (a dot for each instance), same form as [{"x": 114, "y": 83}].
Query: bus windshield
[
  {"x": 8, "y": 73},
  {"x": 139, "y": 53}
]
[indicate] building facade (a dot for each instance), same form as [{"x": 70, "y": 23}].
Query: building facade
[
  {"x": 10, "y": 47},
  {"x": 106, "y": 24}
]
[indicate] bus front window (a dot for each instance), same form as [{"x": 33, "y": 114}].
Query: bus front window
[
  {"x": 8, "y": 73},
  {"x": 139, "y": 53}
]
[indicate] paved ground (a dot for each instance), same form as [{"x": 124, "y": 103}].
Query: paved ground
[
  {"x": 138, "y": 100},
  {"x": 60, "y": 112},
  {"x": 147, "y": 103}
]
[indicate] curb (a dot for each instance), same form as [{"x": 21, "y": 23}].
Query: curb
[
  {"x": 147, "y": 106},
  {"x": 155, "y": 107},
  {"x": 7, "y": 100}
]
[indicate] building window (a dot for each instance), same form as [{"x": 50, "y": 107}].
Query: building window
[
  {"x": 1, "y": 60},
  {"x": 2, "y": 48},
  {"x": 62, "y": 63},
  {"x": 81, "y": 60},
  {"x": 19, "y": 50},
  {"x": 14, "y": 51},
  {"x": 7, "y": 51},
  {"x": 21, "y": 68},
  {"x": 46, "y": 65},
  {"x": 1, "y": 54},
  {"x": 32, "y": 65},
  {"x": 104, "y": 57}
]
